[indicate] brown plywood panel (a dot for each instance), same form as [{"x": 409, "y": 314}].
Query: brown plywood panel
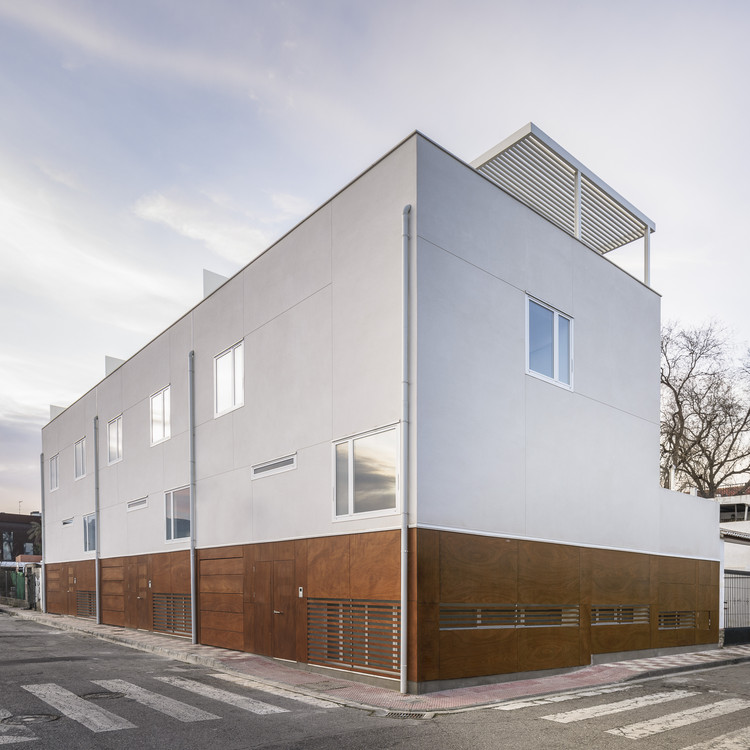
[
  {"x": 477, "y": 568},
  {"x": 113, "y": 603},
  {"x": 608, "y": 639},
  {"x": 619, "y": 577},
  {"x": 222, "y": 584},
  {"x": 211, "y": 602},
  {"x": 249, "y": 561},
  {"x": 676, "y": 597},
  {"x": 180, "y": 572},
  {"x": 548, "y": 573},
  {"x": 708, "y": 573},
  {"x": 264, "y": 551},
  {"x": 112, "y": 573},
  {"x": 424, "y": 565},
  {"x": 284, "y": 610},
  {"x": 300, "y": 574},
  {"x": 161, "y": 573},
  {"x": 222, "y": 567},
  {"x": 547, "y": 648},
  {"x": 222, "y": 639},
  {"x": 473, "y": 653},
  {"x": 86, "y": 574},
  {"x": 328, "y": 567},
  {"x": 212, "y": 553},
  {"x": 677, "y": 570},
  {"x": 113, "y": 588},
  {"x": 113, "y": 617},
  {"x": 222, "y": 621},
  {"x": 282, "y": 550},
  {"x": 424, "y": 649},
  {"x": 708, "y": 598},
  {"x": 262, "y": 608},
  {"x": 375, "y": 565}
]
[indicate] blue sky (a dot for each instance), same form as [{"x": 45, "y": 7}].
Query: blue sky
[{"x": 141, "y": 142}]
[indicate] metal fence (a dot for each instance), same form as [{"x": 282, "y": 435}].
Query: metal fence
[
  {"x": 736, "y": 606},
  {"x": 12, "y": 583}
]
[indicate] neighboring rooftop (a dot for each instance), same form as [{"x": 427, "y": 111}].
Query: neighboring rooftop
[{"x": 541, "y": 174}]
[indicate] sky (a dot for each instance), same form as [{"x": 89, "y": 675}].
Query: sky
[{"x": 143, "y": 141}]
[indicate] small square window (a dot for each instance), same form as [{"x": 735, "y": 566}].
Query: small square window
[
  {"x": 229, "y": 379},
  {"x": 160, "y": 416},
  {"x": 54, "y": 475},
  {"x": 89, "y": 533},
  {"x": 365, "y": 473},
  {"x": 549, "y": 344},
  {"x": 80, "y": 458},
  {"x": 114, "y": 440}
]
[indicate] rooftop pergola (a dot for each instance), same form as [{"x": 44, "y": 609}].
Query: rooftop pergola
[{"x": 541, "y": 174}]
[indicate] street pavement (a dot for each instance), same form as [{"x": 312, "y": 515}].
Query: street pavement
[{"x": 282, "y": 679}]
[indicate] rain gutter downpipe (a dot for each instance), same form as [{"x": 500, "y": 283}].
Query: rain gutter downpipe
[
  {"x": 43, "y": 582},
  {"x": 97, "y": 572},
  {"x": 404, "y": 451},
  {"x": 191, "y": 455}
]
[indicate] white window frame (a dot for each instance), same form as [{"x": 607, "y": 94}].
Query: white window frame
[
  {"x": 555, "y": 380},
  {"x": 87, "y": 544},
  {"x": 350, "y": 515},
  {"x": 138, "y": 504},
  {"x": 269, "y": 468},
  {"x": 82, "y": 473},
  {"x": 165, "y": 395},
  {"x": 54, "y": 476},
  {"x": 233, "y": 351},
  {"x": 172, "y": 539},
  {"x": 115, "y": 424}
]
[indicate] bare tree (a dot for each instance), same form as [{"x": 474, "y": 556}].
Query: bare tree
[{"x": 705, "y": 411}]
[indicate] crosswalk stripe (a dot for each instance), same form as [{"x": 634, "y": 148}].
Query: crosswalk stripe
[
  {"x": 592, "y": 712},
  {"x": 169, "y": 706},
  {"x": 281, "y": 692},
  {"x": 680, "y": 719},
  {"x": 545, "y": 700},
  {"x": 7, "y": 736},
  {"x": 92, "y": 717},
  {"x": 217, "y": 694},
  {"x": 739, "y": 740}
]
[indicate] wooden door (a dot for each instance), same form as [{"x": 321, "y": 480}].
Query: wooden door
[
  {"x": 263, "y": 608},
  {"x": 284, "y": 608},
  {"x": 71, "y": 603},
  {"x": 137, "y": 597}
]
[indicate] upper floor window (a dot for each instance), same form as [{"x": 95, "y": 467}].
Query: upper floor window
[
  {"x": 114, "y": 440},
  {"x": 549, "y": 343},
  {"x": 89, "y": 532},
  {"x": 160, "y": 416},
  {"x": 80, "y": 458},
  {"x": 177, "y": 508},
  {"x": 366, "y": 473},
  {"x": 229, "y": 379},
  {"x": 54, "y": 473}
]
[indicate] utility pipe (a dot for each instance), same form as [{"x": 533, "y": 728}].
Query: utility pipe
[
  {"x": 43, "y": 581},
  {"x": 404, "y": 484},
  {"x": 191, "y": 458},
  {"x": 96, "y": 523}
]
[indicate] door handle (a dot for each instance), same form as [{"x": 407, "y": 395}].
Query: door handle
[{"x": 276, "y": 612}]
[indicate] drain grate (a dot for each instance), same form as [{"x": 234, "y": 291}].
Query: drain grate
[
  {"x": 404, "y": 714},
  {"x": 29, "y": 719}
]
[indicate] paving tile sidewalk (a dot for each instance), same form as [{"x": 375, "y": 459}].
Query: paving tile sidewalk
[{"x": 348, "y": 692}]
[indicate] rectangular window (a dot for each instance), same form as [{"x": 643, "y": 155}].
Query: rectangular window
[
  {"x": 89, "y": 532},
  {"x": 160, "y": 416},
  {"x": 229, "y": 379},
  {"x": 7, "y": 545},
  {"x": 287, "y": 463},
  {"x": 80, "y": 458},
  {"x": 365, "y": 469},
  {"x": 549, "y": 343},
  {"x": 54, "y": 475},
  {"x": 177, "y": 507},
  {"x": 114, "y": 440}
]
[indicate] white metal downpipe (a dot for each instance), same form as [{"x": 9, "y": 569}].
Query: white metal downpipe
[
  {"x": 43, "y": 581},
  {"x": 97, "y": 573},
  {"x": 191, "y": 455},
  {"x": 404, "y": 483}
]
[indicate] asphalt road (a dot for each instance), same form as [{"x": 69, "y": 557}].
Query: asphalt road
[{"x": 68, "y": 690}]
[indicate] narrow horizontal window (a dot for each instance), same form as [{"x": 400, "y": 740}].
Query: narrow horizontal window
[
  {"x": 274, "y": 467},
  {"x": 141, "y": 502},
  {"x": 67, "y": 522}
]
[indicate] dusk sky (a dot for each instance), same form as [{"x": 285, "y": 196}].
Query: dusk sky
[{"x": 143, "y": 141}]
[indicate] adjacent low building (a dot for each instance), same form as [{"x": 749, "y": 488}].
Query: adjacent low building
[{"x": 415, "y": 439}]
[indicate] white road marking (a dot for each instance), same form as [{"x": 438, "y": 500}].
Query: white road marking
[
  {"x": 604, "y": 709},
  {"x": 254, "y": 685},
  {"x": 739, "y": 740},
  {"x": 169, "y": 706},
  {"x": 217, "y": 694},
  {"x": 514, "y": 705},
  {"x": 92, "y": 717},
  {"x": 681, "y": 719},
  {"x": 6, "y": 731}
]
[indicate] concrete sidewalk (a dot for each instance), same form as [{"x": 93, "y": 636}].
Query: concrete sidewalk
[{"x": 334, "y": 687}]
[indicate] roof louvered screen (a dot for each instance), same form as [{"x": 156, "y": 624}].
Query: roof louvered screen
[{"x": 542, "y": 175}]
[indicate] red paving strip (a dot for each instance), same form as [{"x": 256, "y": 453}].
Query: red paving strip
[{"x": 341, "y": 690}]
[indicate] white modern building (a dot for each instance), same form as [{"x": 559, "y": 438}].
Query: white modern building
[{"x": 417, "y": 438}]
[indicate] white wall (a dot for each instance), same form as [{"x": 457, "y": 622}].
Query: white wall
[{"x": 502, "y": 452}]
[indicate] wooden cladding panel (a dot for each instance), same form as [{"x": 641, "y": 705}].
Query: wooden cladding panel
[
  {"x": 375, "y": 565},
  {"x": 229, "y": 584},
  {"x": 424, "y": 565},
  {"x": 328, "y": 561},
  {"x": 677, "y": 570},
  {"x": 211, "y": 602},
  {"x": 221, "y": 552},
  {"x": 478, "y": 569},
  {"x": 477, "y": 653},
  {"x": 221, "y": 567},
  {"x": 548, "y": 573},
  {"x": 222, "y": 639},
  {"x": 548, "y": 648},
  {"x": 619, "y": 577},
  {"x": 708, "y": 573},
  {"x": 222, "y": 621},
  {"x": 609, "y": 639}
]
